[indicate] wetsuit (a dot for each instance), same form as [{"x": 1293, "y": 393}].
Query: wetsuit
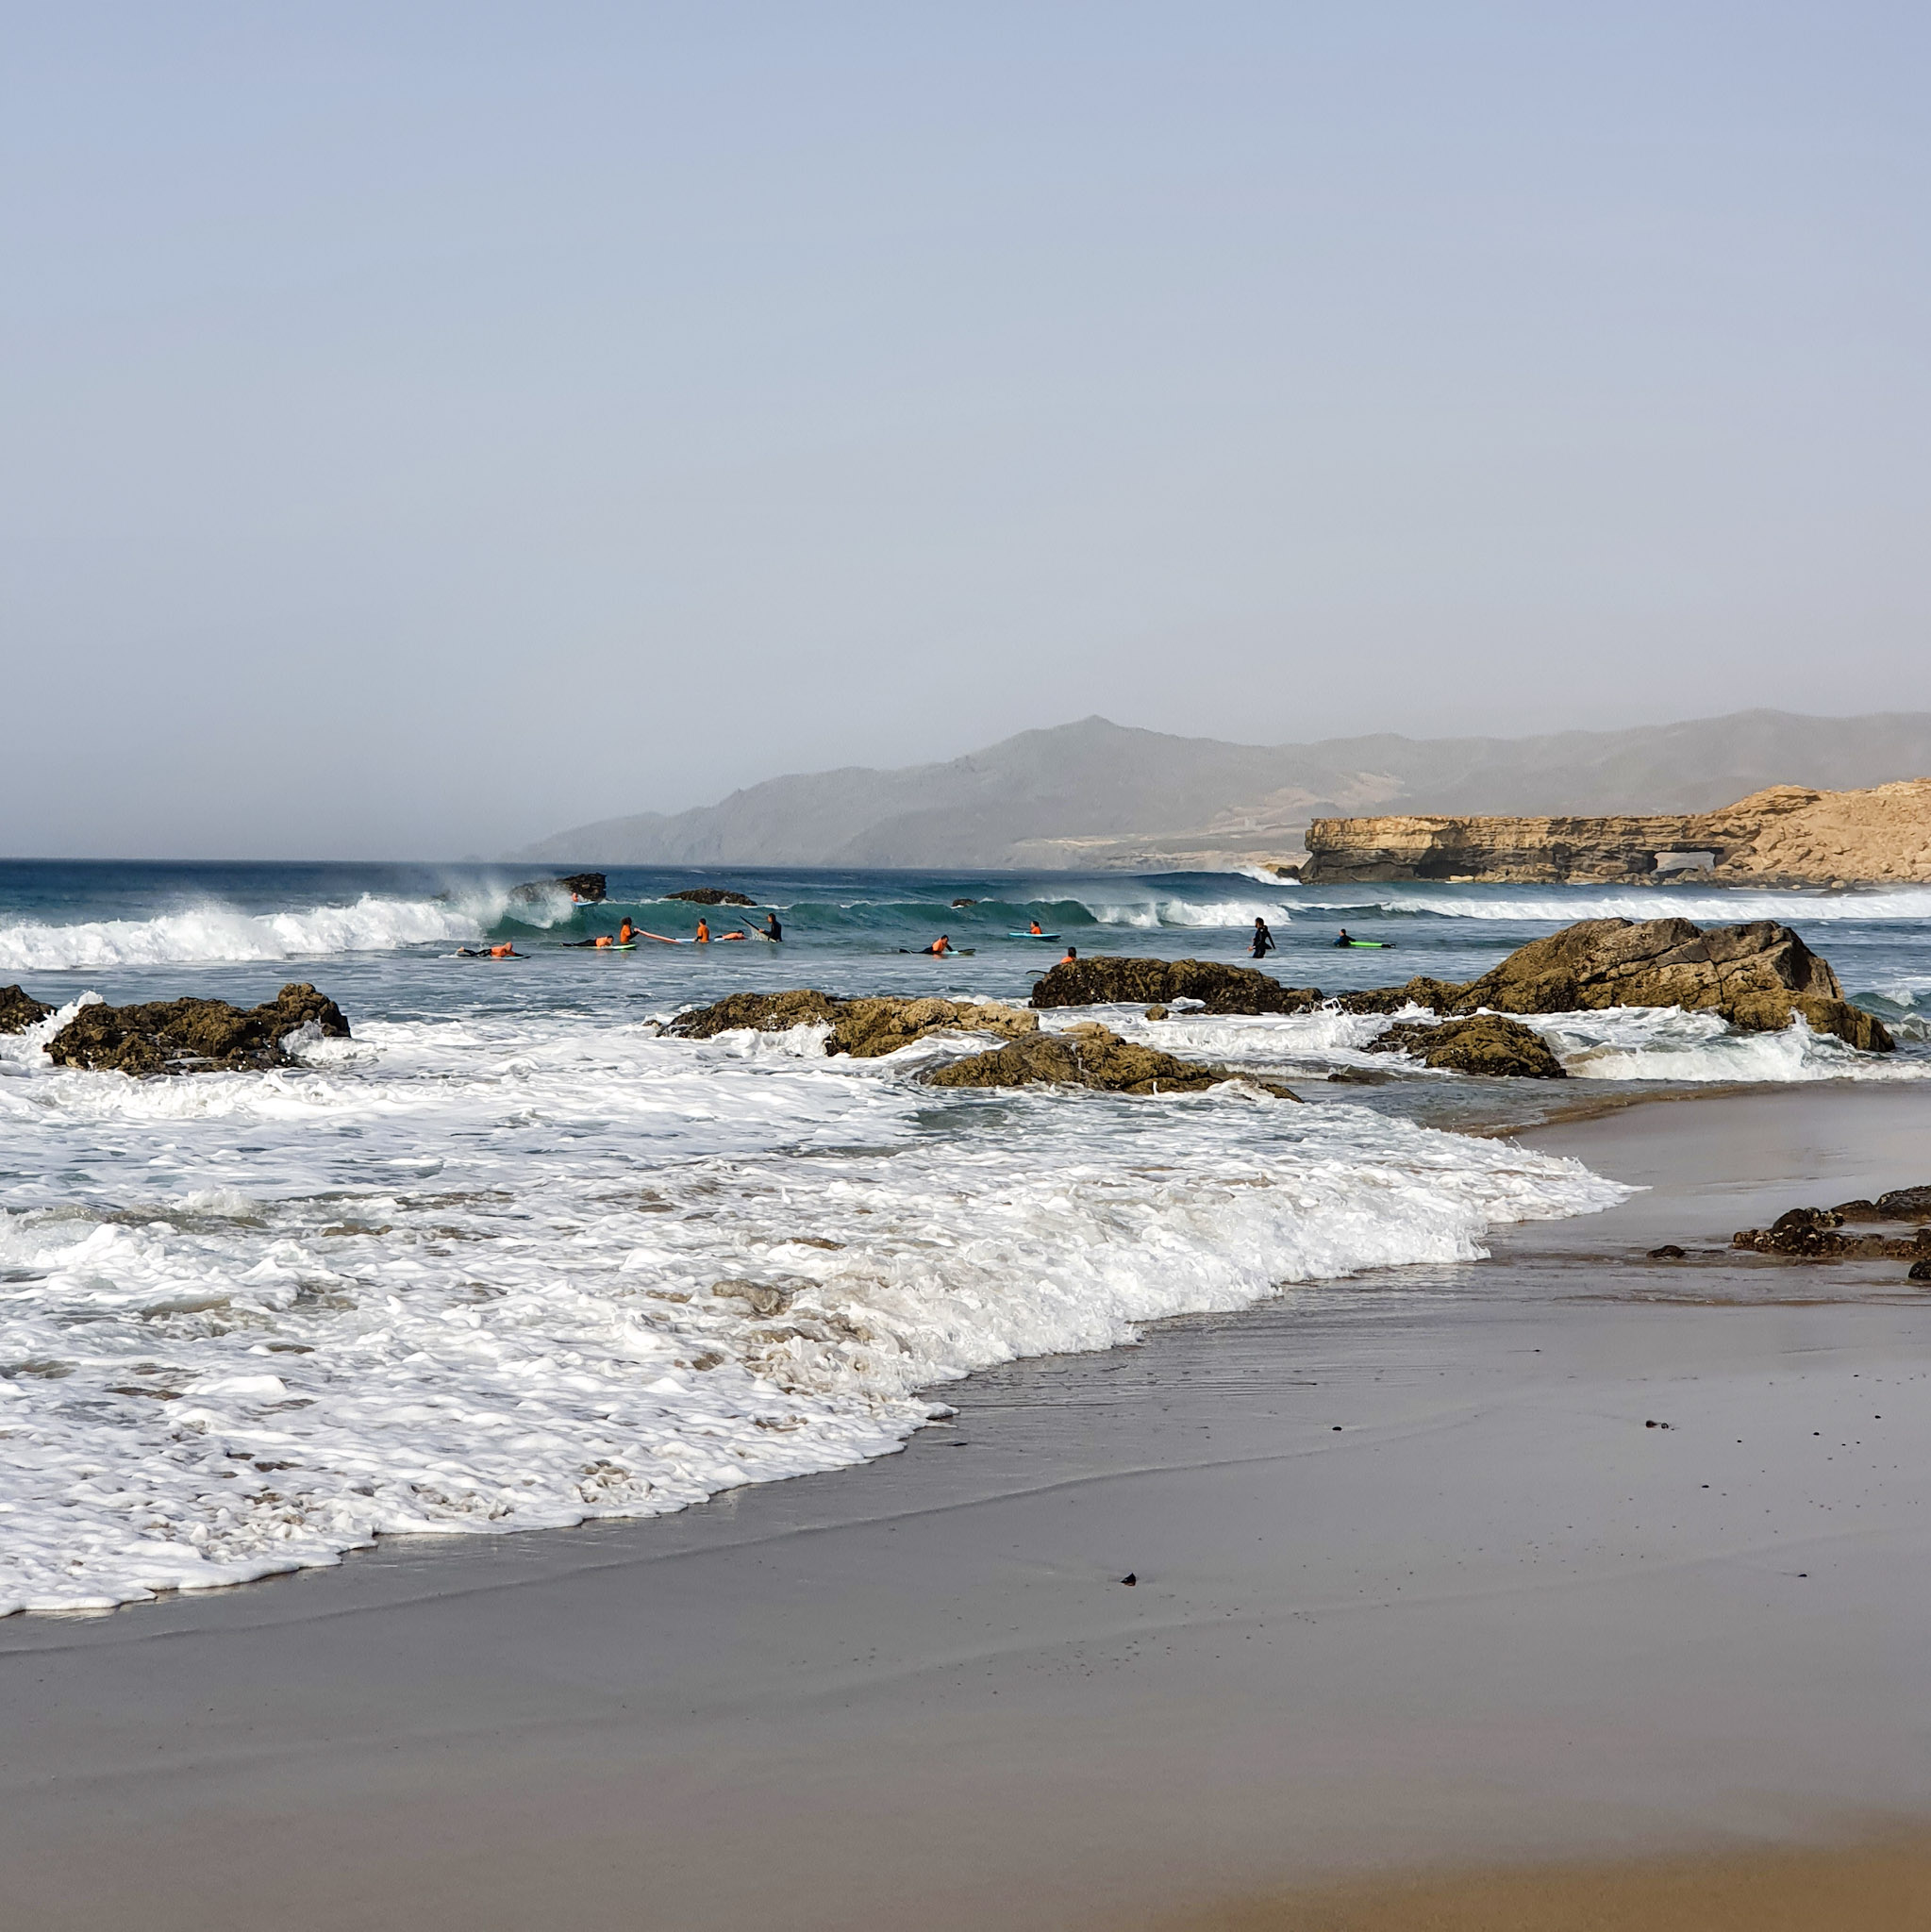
[{"x": 1263, "y": 940}]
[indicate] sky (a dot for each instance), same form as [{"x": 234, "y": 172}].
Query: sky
[{"x": 425, "y": 427}]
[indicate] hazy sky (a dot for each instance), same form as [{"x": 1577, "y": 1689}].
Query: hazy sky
[{"x": 422, "y": 428}]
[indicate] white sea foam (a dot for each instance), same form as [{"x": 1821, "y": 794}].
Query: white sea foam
[
  {"x": 1667, "y": 1043},
  {"x": 215, "y": 933},
  {"x": 500, "y": 1273},
  {"x": 1149, "y": 914}
]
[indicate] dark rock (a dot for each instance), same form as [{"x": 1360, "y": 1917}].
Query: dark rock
[
  {"x": 1905, "y": 1204},
  {"x": 193, "y": 1036},
  {"x": 1131, "y": 1580},
  {"x": 1156, "y": 1012},
  {"x": 1756, "y": 977},
  {"x": 1486, "y": 1044},
  {"x": 960, "y": 905},
  {"x": 711, "y": 896},
  {"x": 1433, "y": 995},
  {"x": 1085, "y": 1055},
  {"x": 1919, "y": 1270},
  {"x": 1810, "y": 1234},
  {"x": 1667, "y": 1252},
  {"x": 1106, "y": 980},
  {"x": 20, "y": 1009},
  {"x": 1795, "y": 1220},
  {"x": 587, "y": 886},
  {"x": 865, "y": 1028},
  {"x": 1856, "y": 1210}
]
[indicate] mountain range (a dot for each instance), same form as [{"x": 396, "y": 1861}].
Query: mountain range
[{"x": 1100, "y": 795}]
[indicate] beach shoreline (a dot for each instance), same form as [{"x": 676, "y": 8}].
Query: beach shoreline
[{"x": 1415, "y": 1587}]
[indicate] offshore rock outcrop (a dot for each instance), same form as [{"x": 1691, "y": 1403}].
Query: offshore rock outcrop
[
  {"x": 589, "y": 887},
  {"x": 711, "y": 896},
  {"x": 1788, "y": 835},
  {"x": 1757, "y": 976},
  {"x": 865, "y": 1028},
  {"x": 191, "y": 1036},
  {"x": 1088, "y": 1056},
  {"x": 1225, "y": 989},
  {"x": 19, "y": 1009},
  {"x": 1488, "y": 1043}
]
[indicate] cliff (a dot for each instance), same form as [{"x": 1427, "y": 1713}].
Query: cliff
[{"x": 1785, "y": 835}]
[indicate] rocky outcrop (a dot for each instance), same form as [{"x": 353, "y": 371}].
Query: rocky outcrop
[
  {"x": 1757, "y": 976},
  {"x": 589, "y": 886},
  {"x": 711, "y": 896},
  {"x": 865, "y": 1028},
  {"x": 1087, "y": 1055},
  {"x": 193, "y": 1036},
  {"x": 1812, "y": 1233},
  {"x": 1786, "y": 835},
  {"x": 1104, "y": 980},
  {"x": 19, "y": 1009},
  {"x": 1486, "y": 1044}
]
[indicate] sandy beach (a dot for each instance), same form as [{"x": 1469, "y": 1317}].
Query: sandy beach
[{"x": 1419, "y": 1589}]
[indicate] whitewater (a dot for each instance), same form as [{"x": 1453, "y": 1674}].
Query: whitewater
[{"x": 510, "y": 1257}]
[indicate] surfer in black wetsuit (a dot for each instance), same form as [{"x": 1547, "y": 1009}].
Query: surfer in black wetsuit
[
  {"x": 1263, "y": 940},
  {"x": 773, "y": 930},
  {"x": 1344, "y": 940}
]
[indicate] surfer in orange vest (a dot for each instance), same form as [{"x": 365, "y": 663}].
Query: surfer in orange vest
[
  {"x": 703, "y": 938},
  {"x": 1072, "y": 954},
  {"x": 1033, "y": 925},
  {"x": 940, "y": 948}
]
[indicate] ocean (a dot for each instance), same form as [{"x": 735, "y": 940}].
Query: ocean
[{"x": 509, "y": 1259}]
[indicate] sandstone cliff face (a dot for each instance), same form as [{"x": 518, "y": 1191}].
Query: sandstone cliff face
[{"x": 1786, "y": 835}]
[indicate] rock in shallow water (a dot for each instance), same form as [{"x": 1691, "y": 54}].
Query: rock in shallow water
[
  {"x": 191, "y": 1036},
  {"x": 1105, "y": 980},
  {"x": 1487, "y": 1043},
  {"x": 19, "y": 1009},
  {"x": 865, "y": 1028},
  {"x": 1756, "y": 977},
  {"x": 1088, "y": 1056}
]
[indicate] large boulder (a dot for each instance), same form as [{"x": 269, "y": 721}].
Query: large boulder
[
  {"x": 19, "y": 1009},
  {"x": 1487, "y": 1043},
  {"x": 711, "y": 896},
  {"x": 1757, "y": 976},
  {"x": 589, "y": 887},
  {"x": 1087, "y": 1055},
  {"x": 193, "y": 1036},
  {"x": 1104, "y": 980},
  {"x": 865, "y": 1028}
]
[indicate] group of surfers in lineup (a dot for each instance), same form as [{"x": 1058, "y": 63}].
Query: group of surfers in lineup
[{"x": 629, "y": 932}]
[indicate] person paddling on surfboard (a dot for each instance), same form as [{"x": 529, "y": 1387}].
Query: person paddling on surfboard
[
  {"x": 1344, "y": 940},
  {"x": 1037, "y": 930},
  {"x": 1263, "y": 940},
  {"x": 940, "y": 948}
]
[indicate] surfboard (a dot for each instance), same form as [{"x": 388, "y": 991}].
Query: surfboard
[
  {"x": 1365, "y": 946},
  {"x": 1032, "y": 935}
]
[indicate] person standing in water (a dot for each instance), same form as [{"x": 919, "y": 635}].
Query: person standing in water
[
  {"x": 773, "y": 930},
  {"x": 703, "y": 938},
  {"x": 1263, "y": 940},
  {"x": 1072, "y": 955}
]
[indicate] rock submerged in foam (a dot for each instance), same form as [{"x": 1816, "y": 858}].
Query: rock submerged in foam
[
  {"x": 191, "y": 1036},
  {"x": 1759, "y": 976},
  {"x": 1486, "y": 1043},
  {"x": 19, "y": 1009},
  {"x": 865, "y": 1028},
  {"x": 1088, "y": 1055}
]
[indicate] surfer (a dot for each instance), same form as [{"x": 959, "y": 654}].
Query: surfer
[
  {"x": 773, "y": 930},
  {"x": 1344, "y": 940},
  {"x": 940, "y": 948},
  {"x": 703, "y": 938},
  {"x": 1263, "y": 940},
  {"x": 1072, "y": 954},
  {"x": 1038, "y": 931},
  {"x": 502, "y": 952}
]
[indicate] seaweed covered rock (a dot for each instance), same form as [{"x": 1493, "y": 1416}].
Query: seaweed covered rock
[
  {"x": 1106, "y": 980},
  {"x": 865, "y": 1028},
  {"x": 1432, "y": 996},
  {"x": 1487, "y": 1043},
  {"x": 19, "y": 1009},
  {"x": 1757, "y": 976},
  {"x": 711, "y": 896},
  {"x": 1087, "y": 1055},
  {"x": 191, "y": 1036}
]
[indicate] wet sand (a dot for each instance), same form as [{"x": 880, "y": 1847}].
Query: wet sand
[{"x": 1417, "y": 1588}]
